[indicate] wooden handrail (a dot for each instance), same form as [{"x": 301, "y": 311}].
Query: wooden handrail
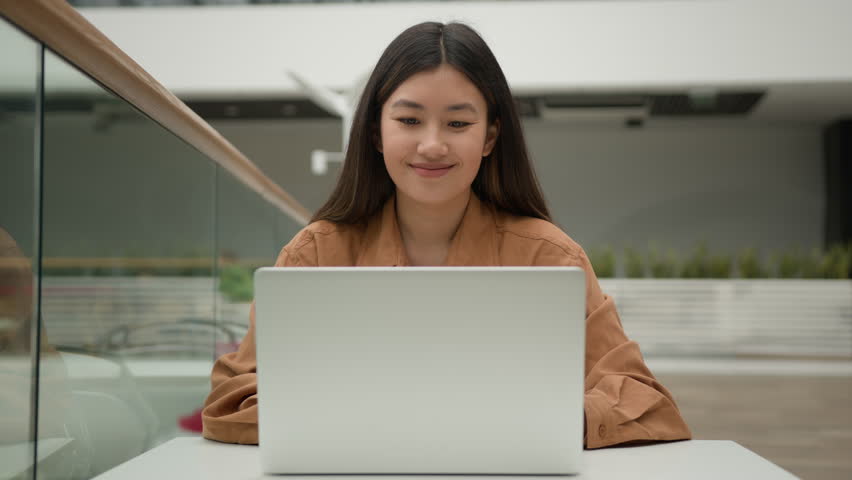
[{"x": 62, "y": 29}]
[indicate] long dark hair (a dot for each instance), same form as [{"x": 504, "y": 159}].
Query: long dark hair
[{"x": 506, "y": 178}]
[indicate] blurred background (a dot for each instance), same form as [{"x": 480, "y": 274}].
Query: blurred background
[{"x": 699, "y": 151}]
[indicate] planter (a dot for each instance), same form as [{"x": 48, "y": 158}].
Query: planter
[
  {"x": 80, "y": 311},
  {"x": 792, "y": 318},
  {"x": 802, "y": 318},
  {"x": 234, "y": 319},
  {"x": 233, "y": 312},
  {"x": 154, "y": 311}
]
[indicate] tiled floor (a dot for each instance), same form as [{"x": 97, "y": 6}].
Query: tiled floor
[{"x": 802, "y": 423}]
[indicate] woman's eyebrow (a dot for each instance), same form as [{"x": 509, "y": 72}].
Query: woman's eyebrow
[
  {"x": 407, "y": 104},
  {"x": 403, "y": 103},
  {"x": 462, "y": 106}
]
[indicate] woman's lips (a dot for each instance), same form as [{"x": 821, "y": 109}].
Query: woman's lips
[{"x": 431, "y": 171}]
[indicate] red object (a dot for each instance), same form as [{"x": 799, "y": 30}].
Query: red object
[{"x": 191, "y": 422}]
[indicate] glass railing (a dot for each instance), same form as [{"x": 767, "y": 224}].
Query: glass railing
[
  {"x": 19, "y": 104},
  {"x": 126, "y": 260}
]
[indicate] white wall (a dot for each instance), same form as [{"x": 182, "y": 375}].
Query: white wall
[
  {"x": 542, "y": 46},
  {"x": 733, "y": 184}
]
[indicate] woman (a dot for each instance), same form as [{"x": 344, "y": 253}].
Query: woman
[{"x": 437, "y": 173}]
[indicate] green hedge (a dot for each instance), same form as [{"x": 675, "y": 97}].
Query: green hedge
[{"x": 701, "y": 262}]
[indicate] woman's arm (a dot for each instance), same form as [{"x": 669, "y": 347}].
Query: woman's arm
[
  {"x": 230, "y": 411},
  {"x": 623, "y": 400}
]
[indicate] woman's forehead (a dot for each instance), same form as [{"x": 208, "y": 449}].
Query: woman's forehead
[{"x": 443, "y": 88}]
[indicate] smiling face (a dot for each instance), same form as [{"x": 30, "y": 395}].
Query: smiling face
[{"x": 433, "y": 134}]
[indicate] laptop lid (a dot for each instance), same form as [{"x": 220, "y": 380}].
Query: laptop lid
[{"x": 438, "y": 370}]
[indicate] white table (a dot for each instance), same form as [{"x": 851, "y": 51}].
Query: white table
[{"x": 186, "y": 458}]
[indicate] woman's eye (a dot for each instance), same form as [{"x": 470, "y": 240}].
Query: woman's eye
[
  {"x": 458, "y": 124},
  {"x": 408, "y": 121}
]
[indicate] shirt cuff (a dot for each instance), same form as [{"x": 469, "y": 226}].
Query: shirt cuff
[{"x": 600, "y": 430}]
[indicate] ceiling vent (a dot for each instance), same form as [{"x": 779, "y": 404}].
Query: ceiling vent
[
  {"x": 624, "y": 107},
  {"x": 704, "y": 102},
  {"x": 593, "y": 108}
]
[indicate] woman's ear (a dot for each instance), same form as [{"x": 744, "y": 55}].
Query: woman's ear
[
  {"x": 491, "y": 138},
  {"x": 377, "y": 138}
]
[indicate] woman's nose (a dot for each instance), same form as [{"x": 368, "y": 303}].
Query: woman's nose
[{"x": 432, "y": 146}]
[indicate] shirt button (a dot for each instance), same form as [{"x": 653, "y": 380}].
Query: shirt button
[{"x": 602, "y": 431}]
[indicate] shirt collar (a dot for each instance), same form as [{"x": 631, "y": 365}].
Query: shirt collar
[{"x": 474, "y": 244}]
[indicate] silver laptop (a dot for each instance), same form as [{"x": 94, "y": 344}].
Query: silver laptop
[{"x": 442, "y": 370}]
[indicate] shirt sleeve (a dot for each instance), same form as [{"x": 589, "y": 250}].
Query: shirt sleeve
[
  {"x": 230, "y": 411},
  {"x": 624, "y": 402}
]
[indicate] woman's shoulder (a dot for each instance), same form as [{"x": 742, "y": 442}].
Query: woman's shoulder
[
  {"x": 320, "y": 235},
  {"x": 323, "y": 228},
  {"x": 537, "y": 232}
]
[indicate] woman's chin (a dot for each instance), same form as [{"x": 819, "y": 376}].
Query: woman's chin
[{"x": 433, "y": 198}]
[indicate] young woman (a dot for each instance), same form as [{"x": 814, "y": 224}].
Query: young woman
[{"x": 437, "y": 173}]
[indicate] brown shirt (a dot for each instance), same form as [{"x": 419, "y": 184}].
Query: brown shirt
[{"x": 623, "y": 400}]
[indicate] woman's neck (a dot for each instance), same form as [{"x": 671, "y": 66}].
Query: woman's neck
[{"x": 428, "y": 230}]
